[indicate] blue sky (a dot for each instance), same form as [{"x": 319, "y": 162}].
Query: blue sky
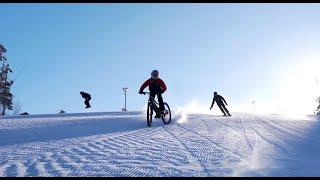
[{"x": 243, "y": 51}]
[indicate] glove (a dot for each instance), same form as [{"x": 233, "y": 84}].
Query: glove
[{"x": 141, "y": 92}]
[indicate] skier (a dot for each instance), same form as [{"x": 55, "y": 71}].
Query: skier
[
  {"x": 87, "y": 98},
  {"x": 219, "y": 99},
  {"x": 156, "y": 87}
]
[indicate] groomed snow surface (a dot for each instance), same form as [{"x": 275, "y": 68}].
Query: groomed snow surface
[{"x": 121, "y": 144}]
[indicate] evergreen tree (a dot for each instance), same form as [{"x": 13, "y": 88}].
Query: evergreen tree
[
  {"x": 6, "y": 97},
  {"x": 318, "y": 108}
]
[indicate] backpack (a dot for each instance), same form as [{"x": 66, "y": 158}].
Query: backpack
[{"x": 154, "y": 86}]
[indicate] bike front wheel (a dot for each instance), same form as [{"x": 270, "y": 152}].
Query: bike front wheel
[
  {"x": 149, "y": 114},
  {"x": 166, "y": 116}
]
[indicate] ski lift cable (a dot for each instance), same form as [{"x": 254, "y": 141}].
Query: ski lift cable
[{"x": 22, "y": 69}]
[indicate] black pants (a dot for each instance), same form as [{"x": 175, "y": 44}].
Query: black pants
[
  {"x": 86, "y": 102},
  {"x": 160, "y": 100},
  {"x": 223, "y": 109}
]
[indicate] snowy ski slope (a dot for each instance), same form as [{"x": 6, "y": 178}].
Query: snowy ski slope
[{"x": 121, "y": 144}]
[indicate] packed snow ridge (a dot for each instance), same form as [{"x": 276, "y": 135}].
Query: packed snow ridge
[{"x": 121, "y": 144}]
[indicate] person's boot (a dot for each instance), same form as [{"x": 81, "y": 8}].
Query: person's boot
[
  {"x": 157, "y": 116},
  {"x": 162, "y": 111},
  {"x": 228, "y": 113}
]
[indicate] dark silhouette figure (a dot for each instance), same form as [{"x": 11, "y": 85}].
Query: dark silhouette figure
[
  {"x": 220, "y": 102},
  {"x": 87, "y": 98},
  {"x": 156, "y": 87}
]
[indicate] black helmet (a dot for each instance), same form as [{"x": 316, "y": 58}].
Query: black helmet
[{"x": 155, "y": 74}]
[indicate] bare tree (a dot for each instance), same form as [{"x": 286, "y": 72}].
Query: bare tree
[{"x": 16, "y": 108}]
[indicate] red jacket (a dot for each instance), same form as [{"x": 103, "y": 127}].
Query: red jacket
[{"x": 158, "y": 81}]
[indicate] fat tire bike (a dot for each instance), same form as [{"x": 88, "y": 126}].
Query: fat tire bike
[{"x": 153, "y": 105}]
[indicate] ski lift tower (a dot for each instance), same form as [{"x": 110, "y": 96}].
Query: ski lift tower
[
  {"x": 125, "y": 90},
  {"x": 254, "y": 102}
]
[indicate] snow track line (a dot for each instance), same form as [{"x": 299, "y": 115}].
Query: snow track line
[
  {"x": 148, "y": 155},
  {"x": 293, "y": 131},
  {"x": 40, "y": 166},
  {"x": 75, "y": 143},
  {"x": 205, "y": 124},
  {"x": 224, "y": 124},
  {"x": 63, "y": 162},
  {"x": 272, "y": 142},
  {"x": 4, "y": 167},
  {"x": 11, "y": 170},
  {"x": 68, "y": 157},
  {"x": 212, "y": 142},
  {"x": 126, "y": 141},
  {"x": 188, "y": 150},
  {"x": 236, "y": 131},
  {"x": 56, "y": 165},
  {"x": 47, "y": 166},
  {"x": 277, "y": 128},
  {"x": 244, "y": 133},
  {"x": 274, "y": 134},
  {"x": 31, "y": 167},
  {"x": 269, "y": 141}
]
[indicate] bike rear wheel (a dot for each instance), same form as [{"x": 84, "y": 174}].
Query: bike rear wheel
[
  {"x": 149, "y": 114},
  {"x": 166, "y": 117}
]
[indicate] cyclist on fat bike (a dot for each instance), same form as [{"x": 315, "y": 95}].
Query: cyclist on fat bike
[{"x": 156, "y": 87}]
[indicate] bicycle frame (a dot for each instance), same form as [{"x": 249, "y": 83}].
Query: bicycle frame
[
  {"x": 153, "y": 106},
  {"x": 153, "y": 102}
]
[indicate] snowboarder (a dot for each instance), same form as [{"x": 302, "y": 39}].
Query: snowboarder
[
  {"x": 156, "y": 87},
  {"x": 219, "y": 99},
  {"x": 87, "y": 98}
]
